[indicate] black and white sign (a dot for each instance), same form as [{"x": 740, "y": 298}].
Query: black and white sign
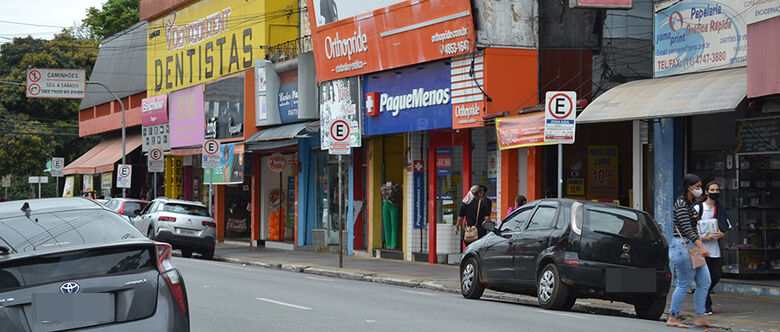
[
  {"x": 38, "y": 179},
  {"x": 57, "y": 163},
  {"x": 155, "y": 137},
  {"x": 338, "y": 138},
  {"x": 6, "y": 181},
  {"x": 210, "y": 153},
  {"x": 56, "y": 83},
  {"x": 123, "y": 176},
  {"x": 156, "y": 163},
  {"x": 559, "y": 116}
]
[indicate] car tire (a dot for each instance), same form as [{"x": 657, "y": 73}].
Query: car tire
[
  {"x": 470, "y": 286},
  {"x": 208, "y": 254},
  {"x": 186, "y": 253},
  {"x": 551, "y": 292},
  {"x": 650, "y": 308}
]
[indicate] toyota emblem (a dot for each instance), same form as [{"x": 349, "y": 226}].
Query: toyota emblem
[
  {"x": 626, "y": 248},
  {"x": 69, "y": 288}
]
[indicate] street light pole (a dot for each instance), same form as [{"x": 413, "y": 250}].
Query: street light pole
[{"x": 124, "y": 138}]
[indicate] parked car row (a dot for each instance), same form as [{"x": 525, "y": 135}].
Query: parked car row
[{"x": 561, "y": 249}]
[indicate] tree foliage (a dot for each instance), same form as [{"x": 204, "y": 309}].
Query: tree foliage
[
  {"x": 27, "y": 125},
  {"x": 113, "y": 17}
]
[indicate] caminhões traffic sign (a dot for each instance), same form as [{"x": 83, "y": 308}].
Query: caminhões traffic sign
[
  {"x": 559, "y": 116},
  {"x": 56, "y": 83}
]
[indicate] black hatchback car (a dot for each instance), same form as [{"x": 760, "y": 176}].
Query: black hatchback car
[
  {"x": 72, "y": 264},
  {"x": 562, "y": 249}
]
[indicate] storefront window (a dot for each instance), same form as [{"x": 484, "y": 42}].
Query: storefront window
[{"x": 449, "y": 183}]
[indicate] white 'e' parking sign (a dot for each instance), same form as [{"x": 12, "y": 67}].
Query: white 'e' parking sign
[{"x": 560, "y": 112}]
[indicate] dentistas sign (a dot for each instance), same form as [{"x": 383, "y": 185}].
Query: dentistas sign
[
  {"x": 410, "y": 99},
  {"x": 201, "y": 42}
]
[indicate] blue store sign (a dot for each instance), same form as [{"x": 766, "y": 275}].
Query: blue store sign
[
  {"x": 408, "y": 99},
  {"x": 288, "y": 102}
]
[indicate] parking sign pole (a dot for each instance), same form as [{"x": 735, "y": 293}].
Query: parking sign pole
[
  {"x": 154, "y": 189},
  {"x": 560, "y": 170},
  {"x": 341, "y": 228},
  {"x": 57, "y": 188},
  {"x": 211, "y": 190}
]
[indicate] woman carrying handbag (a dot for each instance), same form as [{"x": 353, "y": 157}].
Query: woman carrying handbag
[
  {"x": 474, "y": 210},
  {"x": 686, "y": 254}
]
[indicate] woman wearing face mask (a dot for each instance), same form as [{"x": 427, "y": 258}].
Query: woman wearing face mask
[
  {"x": 712, "y": 208},
  {"x": 685, "y": 223}
]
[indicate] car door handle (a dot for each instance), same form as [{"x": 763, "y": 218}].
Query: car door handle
[{"x": 506, "y": 236}]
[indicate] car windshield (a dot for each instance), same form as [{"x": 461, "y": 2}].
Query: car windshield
[
  {"x": 193, "y": 210},
  {"x": 620, "y": 222}
]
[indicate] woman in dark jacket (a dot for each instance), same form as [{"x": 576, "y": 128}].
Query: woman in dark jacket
[{"x": 685, "y": 224}]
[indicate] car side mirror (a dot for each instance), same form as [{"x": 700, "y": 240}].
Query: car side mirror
[
  {"x": 136, "y": 212},
  {"x": 489, "y": 226}
]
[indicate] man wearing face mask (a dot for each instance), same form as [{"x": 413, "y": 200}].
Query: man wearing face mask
[{"x": 713, "y": 209}]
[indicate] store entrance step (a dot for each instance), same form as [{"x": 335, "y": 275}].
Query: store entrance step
[{"x": 389, "y": 253}]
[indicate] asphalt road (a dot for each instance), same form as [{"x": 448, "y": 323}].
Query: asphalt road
[{"x": 231, "y": 297}]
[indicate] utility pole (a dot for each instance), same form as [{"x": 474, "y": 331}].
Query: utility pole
[{"x": 124, "y": 138}]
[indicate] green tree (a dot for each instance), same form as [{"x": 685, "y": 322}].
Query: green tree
[{"x": 113, "y": 17}]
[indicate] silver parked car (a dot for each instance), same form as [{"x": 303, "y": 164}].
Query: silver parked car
[
  {"x": 71, "y": 264},
  {"x": 186, "y": 225}
]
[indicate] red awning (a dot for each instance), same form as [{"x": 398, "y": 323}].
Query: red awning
[{"x": 101, "y": 158}]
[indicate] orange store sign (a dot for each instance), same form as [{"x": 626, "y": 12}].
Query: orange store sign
[{"x": 402, "y": 34}]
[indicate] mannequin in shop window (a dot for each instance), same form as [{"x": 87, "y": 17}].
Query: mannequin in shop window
[{"x": 391, "y": 213}]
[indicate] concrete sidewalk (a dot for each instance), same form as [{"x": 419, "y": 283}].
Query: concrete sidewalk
[{"x": 735, "y": 312}]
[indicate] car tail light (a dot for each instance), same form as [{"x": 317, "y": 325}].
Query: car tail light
[
  {"x": 571, "y": 262},
  {"x": 163, "y": 218},
  {"x": 121, "y": 208},
  {"x": 210, "y": 224},
  {"x": 171, "y": 276},
  {"x": 668, "y": 276}
]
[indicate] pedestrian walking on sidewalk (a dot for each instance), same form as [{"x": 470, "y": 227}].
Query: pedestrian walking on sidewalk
[
  {"x": 713, "y": 209},
  {"x": 475, "y": 209},
  {"x": 686, "y": 235},
  {"x": 519, "y": 201}
]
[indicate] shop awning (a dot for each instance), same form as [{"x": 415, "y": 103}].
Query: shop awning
[
  {"x": 281, "y": 136},
  {"x": 102, "y": 157},
  {"x": 690, "y": 94}
]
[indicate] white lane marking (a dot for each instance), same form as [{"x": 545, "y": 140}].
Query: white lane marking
[
  {"x": 370, "y": 321},
  {"x": 417, "y": 292},
  {"x": 562, "y": 314},
  {"x": 283, "y": 303},
  {"x": 320, "y": 279},
  {"x": 206, "y": 286}
]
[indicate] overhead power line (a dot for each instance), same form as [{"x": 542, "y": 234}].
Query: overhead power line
[{"x": 32, "y": 24}]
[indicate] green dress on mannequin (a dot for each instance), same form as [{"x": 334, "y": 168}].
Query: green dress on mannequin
[{"x": 391, "y": 214}]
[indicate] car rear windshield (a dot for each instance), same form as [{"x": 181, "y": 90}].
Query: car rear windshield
[
  {"x": 44, "y": 231},
  {"x": 74, "y": 265},
  {"x": 620, "y": 222},
  {"x": 131, "y": 207},
  {"x": 192, "y": 210}
]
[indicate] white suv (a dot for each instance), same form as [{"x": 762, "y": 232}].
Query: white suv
[{"x": 186, "y": 225}]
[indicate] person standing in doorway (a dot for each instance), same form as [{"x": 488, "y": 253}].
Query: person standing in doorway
[
  {"x": 685, "y": 236},
  {"x": 713, "y": 209}
]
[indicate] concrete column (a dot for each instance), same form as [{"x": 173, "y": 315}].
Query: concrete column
[
  {"x": 255, "y": 212},
  {"x": 508, "y": 170},
  {"x": 219, "y": 210},
  {"x": 534, "y": 174},
  {"x": 636, "y": 161},
  {"x": 668, "y": 154}
]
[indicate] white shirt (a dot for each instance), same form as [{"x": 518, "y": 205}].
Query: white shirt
[{"x": 711, "y": 245}]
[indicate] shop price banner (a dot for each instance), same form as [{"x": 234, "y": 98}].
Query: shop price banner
[
  {"x": 444, "y": 161},
  {"x": 520, "y": 131},
  {"x": 67, "y": 190},
  {"x": 602, "y": 172},
  {"x": 105, "y": 181},
  {"x": 87, "y": 184},
  {"x": 695, "y": 36}
]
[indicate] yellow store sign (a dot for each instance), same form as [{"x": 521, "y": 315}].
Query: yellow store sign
[{"x": 211, "y": 39}]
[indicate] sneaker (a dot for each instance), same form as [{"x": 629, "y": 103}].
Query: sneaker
[{"x": 708, "y": 313}]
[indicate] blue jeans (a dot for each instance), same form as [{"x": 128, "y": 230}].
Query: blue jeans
[{"x": 679, "y": 258}]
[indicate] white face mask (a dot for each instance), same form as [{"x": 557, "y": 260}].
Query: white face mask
[{"x": 697, "y": 192}]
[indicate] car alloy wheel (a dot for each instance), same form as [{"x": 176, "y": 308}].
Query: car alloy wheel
[
  {"x": 468, "y": 278},
  {"x": 546, "y": 285}
]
